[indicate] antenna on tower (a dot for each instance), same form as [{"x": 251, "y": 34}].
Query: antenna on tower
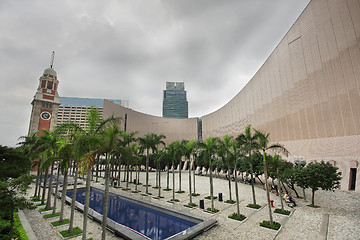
[{"x": 52, "y": 59}]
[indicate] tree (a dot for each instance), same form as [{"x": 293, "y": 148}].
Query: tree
[
  {"x": 224, "y": 152},
  {"x": 111, "y": 134},
  {"x": 250, "y": 144},
  {"x": 13, "y": 183},
  {"x": 188, "y": 151},
  {"x": 209, "y": 151},
  {"x": 264, "y": 145},
  {"x": 150, "y": 141},
  {"x": 318, "y": 176}
]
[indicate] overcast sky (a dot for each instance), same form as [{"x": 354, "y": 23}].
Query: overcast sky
[{"x": 128, "y": 49}]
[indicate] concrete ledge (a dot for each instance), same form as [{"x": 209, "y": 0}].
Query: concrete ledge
[
  {"x": 324, "y": 226},
  {"x": 26, "y": 225}
]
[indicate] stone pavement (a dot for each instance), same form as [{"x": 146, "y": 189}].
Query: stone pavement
[{"x": 341, "y": 209}]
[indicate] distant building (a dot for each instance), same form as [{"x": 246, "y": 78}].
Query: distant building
[
  {"x": 75, "y": 109},
  {"x": 175, "y": 104}
]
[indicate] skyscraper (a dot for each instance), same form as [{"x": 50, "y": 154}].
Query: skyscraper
[{"x": 175, "y": 104}]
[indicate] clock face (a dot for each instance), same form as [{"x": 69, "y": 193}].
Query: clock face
[{"x": 45, "y": 115}]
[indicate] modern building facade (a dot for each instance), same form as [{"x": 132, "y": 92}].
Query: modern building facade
[
  {"x": 175, "y": 104},
  {"x": 45, "y": 104},
  {"x": 75, "y": 109},
  {"x": 306, "y": 95}
]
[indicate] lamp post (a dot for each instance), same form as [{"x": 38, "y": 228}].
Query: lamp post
[{"x": 301, "y": 162}]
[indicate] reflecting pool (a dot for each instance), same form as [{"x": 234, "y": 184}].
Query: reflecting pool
[{"x": 154, "y": 224}]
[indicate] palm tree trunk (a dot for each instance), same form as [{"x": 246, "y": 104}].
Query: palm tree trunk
[
  {"x": 252, "y": 183},
  {"x": 48, "y": 201},
  {"x": 39, "y": 189},
  {"x": 267, "y": 188},
  {"x": 106, "y": 201},
  {"x": 56, "y": 190},
  {"x": 159, "y": 182},
  {"x": 44, "y": 189},
  {"x": 211, "y": 188},
  {"x": 137, "y": 178},
  {"x": 127, "y": 176},
  {"x": 190, "y": 193},
  {"x": 119, "y": 174},
  {"x": 194, "y": 177},
  {"x": 63, "y": 194},
  {"x": 281, "y": 198},
  {"x": 167, "y": 178},
  {"x": 180, "y": 176},
  {"x": 97, "y": 169},
  {"x": 237, "y": 194},
  {"x": 86, "y": 205},
  {"x": 147, "y": 172},
  {"x": 71, "y": 224},
  {"x": 173, "y": 178},
  {"x": 37, "y": 178},
  {"x": 229, "y": 180}
]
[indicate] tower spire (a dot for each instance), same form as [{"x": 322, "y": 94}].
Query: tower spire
[{"x": 52, "y": 59}]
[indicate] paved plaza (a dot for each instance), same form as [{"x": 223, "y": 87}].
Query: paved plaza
[{"x": 338, "y": 216}]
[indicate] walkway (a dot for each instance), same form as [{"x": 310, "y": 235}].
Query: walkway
[{"x": 337, "y": 218}]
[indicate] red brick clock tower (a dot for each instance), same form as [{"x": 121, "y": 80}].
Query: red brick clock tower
[{"x": 46, "y": 103}]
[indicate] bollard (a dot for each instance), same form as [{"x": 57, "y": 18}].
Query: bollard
[
  {"x": 202, "y": 204},
  {"x": 135, "y": 181},
  {"x": 220, "y": 197},
  {"x": 272, "y": 203}
]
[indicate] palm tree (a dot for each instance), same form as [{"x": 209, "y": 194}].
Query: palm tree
[
  {"x": 150, "y": 141},
  {"x": 128, "y": 138},
  {"x": 188, "y": 151},
  {"x": 225, "y": 154},
  {"x": 29, "y": 142},
  {"x": 110, "y": 137},
  {"x": 250, "y": 144},
  {"x": 209, "y": 151},
  {"x": 276, "y": 164},
  {"x": 263, "y": 142},
  {"x": 173, "y": 152}
]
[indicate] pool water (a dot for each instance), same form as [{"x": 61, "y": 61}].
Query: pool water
[{"x": 154, "y": 224}]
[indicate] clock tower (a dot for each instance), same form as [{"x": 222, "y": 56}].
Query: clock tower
[{"x": 46, "y": 103}]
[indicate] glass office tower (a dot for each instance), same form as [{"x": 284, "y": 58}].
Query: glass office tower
[{"x": 175, "y": 104}]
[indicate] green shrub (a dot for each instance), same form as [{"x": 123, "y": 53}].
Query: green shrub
[
  {"x": 236, "y": 217},
  {"x": 179, "y": 191},
  {"x": 167, "y": 189},
  {"x": 230, "y": 201},
  {"x": 195, "y": 194},
  {"x": 274, "y": 226},
  {"x": 18, "y": 232},
  {"x": 253, "y": 206},
  {"x": 280, "y": 211},
  {"x": 76, "y": 231}
]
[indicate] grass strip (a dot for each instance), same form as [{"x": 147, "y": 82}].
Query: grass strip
[
  {"x": 210, "y": 211},
  {"x": 66, "y": 234},
  {"x": 58, "y": 223},
  {"x": 274, "y": 226},
  {"x": 253, "y": 206},
  {"x": 236, "y": 217},
  {"x": 280, "y": 211},
  {"x": 46, "y": 216},
  {"x": 44, "y": 210},
  {"x": 230, "y": 201}
]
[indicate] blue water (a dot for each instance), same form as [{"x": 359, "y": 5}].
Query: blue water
[{"x": 153, "y": 224}]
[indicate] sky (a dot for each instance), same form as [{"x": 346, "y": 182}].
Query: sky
[{"x": 129, "y": 49}]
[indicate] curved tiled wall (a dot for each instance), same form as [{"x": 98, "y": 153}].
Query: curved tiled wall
[{"x": 306, "y": 94}]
